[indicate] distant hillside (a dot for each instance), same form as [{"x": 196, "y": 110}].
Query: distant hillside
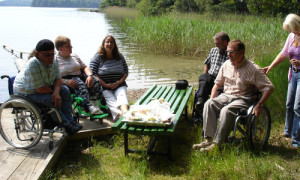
[
  {"x": 15, "y": 3},
  {"x": 66, "y": 3}
]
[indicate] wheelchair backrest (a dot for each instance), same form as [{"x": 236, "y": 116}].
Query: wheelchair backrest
[{"x": 10, "y": 83}]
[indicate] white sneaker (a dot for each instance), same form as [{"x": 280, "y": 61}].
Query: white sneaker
[
  {"x": 94, "y": 102},
  {"x": 95, "y": 110}
]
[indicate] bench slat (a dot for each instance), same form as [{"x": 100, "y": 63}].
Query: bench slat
[
  {"x": 145, "y": 95},
  {"x": 160, "y": 92},
  {"x": 151, "y": 95},
  {"x": 117, "y": 125},
  {"x": 167, "y": 90},
  {"x": 180, "y": 110},
  {"x": 178, "y": 101},
  {"x": 170, "y": 94}
]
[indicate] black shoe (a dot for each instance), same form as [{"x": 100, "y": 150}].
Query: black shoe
[
  {"x": 71, "y": 129},
  {"x": 197, "y": 121},
  {"x": 76, "y": 124},
  {"x": 199, "y": 104}
]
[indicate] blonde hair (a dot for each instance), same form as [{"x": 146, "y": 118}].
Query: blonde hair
[
  {"x": 60, "y": 41},
  {"x": 292, "y": 23}
]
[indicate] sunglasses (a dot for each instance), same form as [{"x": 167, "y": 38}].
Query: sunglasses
[{"x": 48, "y": 54}]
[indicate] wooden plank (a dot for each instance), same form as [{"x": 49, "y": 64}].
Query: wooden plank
[
  {"x": 170, "y": 94},
  {"x": 145, "y": 95},
  {"x": 177, "y": 101},
  {"x": 167, "y": 90},
  {"x": 180, "y": 110},
  {"x": 12, "y": 162},
  {"x": 153, "y": 93},
  {"x": 174, "y": 96},
  {"x": 27, "y": 167},
  {"x": 160, "y": 92},
  {"x": 117, "y": 125}
]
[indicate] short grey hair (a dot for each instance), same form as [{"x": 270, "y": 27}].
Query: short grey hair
[
  {"x": 292, "y": 23},
  {"x": 222, "y": 36}
]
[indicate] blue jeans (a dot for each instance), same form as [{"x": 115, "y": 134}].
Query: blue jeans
[
  {"x": 292, "y": 126},
  {"x": 65, "y": 110}
]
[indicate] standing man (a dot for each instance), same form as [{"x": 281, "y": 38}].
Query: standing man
[
  {"x": 240, "y": 78},
  {"x": 217, "y": 56},
  {"x": 40, "y": 81}
]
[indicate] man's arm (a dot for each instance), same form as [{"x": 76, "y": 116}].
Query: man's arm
[
  {"x": 257, "y": 107},
  {"x": 206, "y": 68},
  {"x": 55, "y": 95},
  {"x": 214, "y": 91}
]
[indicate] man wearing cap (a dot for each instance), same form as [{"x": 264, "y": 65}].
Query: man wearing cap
[{"x": 40, "y": 81}]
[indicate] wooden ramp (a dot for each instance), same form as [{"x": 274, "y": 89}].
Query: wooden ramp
[{"x": 33, "y": 163}]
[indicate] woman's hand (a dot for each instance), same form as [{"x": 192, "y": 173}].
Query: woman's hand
[
  {"x": 115, "y": 85},
  {"x": 266, "y": 69},
  {"x": 295, "y": 62},
  {"x": 71, "y": 83},
  {"x": 89, "y": 81}
]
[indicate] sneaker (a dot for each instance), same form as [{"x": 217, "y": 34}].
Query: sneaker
[
  {"x": 95, "y": 110},
  {"x": 199, "y": 104},
  {"x": 208, "y": 148},
  {"x": 94, "y": 103},
  {"x": 204, "y": 144}
]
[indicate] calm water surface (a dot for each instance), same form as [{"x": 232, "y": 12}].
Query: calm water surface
[{"x": 22, "y": 27}]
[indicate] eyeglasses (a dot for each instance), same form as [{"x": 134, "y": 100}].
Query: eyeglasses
[
  {"x": 230, "y": 52},
  {"x": 48, "y": 54}
]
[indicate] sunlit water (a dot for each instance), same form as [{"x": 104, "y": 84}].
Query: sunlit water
[{"x": 22, "y": 27}]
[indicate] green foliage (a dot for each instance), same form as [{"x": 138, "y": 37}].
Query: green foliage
[{"x": 66, "y": 3}]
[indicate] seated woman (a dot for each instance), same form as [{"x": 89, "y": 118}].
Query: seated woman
[
  {"x": 71, "y": 69},
  {"x": 110, "y": 67}
]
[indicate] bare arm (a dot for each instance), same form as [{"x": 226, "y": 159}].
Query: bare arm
[
  {"x": 279, "y": 59},
  {"x": 214, "y": 91},
  {"x": 257, "y": 107},
  {"x": 206, "y": 68},
  {"x": 89, "y": 80}
]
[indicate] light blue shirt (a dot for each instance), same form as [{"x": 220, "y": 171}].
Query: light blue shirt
[{"x": 35, "y": 75}]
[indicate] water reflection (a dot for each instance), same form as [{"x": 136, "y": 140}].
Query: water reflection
[{"x": 22, "y": 27}]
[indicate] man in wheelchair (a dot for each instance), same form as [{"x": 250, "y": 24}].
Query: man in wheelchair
[
  {"x": 40, "y": 81},
  {"x": 240, "y": 78}
]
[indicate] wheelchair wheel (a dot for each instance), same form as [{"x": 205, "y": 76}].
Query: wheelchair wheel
[
  {"x": 20, "y": 123},
  {"x": 260, "y": 128}
]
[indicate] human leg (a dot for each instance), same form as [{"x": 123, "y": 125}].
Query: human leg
[
  {"x": 228, "y": 115},
  {"x": 290, "y": 101},
  {"x": 296, "y": 120},
  {"x": 206, "y": 82},
  {"x": 122, "y": 100},
  {"x": 83, "y": 92},
  {"x": 111, "y": 102}
]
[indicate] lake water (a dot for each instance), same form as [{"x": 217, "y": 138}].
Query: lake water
[{"x": 22, "y": 27}]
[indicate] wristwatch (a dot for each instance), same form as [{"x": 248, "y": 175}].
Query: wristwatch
[{"x": 89, "y": 75}]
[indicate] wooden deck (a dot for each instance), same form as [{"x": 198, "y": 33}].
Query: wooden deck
[{"x": 33, "y": 163}]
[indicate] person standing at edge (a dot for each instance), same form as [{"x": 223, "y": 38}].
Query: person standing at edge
[{"x": 291, "y": 49}]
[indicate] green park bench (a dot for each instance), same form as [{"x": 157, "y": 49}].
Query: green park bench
[{"x": 178, "y": 100}]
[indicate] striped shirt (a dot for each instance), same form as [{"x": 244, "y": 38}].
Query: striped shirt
[
  {"x": 244, "y": 79},
  {"x": 109, "y": 70},
  {"x": 35, "y": 75},
  {"x": 215, "y": 61}
]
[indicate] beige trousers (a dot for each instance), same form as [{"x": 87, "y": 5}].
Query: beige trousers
[{"x": 222, "y": 110}]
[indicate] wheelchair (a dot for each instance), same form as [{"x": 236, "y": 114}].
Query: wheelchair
[
  {"x": 23, "y": 123},
  {"x": 248, "y": 127},
  {"x": 78, "y": 110}
]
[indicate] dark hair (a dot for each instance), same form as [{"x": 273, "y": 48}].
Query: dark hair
[
  {"x": 222, "y": 36},
  {"x": 239, "y": 43},
  {"x": 115, "y": 51},
  {"x": 44, "y": 45}
]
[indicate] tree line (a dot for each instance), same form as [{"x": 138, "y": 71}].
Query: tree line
[
  {"x": 66, "y": 3},
  {"x": 256, "y": 7}
]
